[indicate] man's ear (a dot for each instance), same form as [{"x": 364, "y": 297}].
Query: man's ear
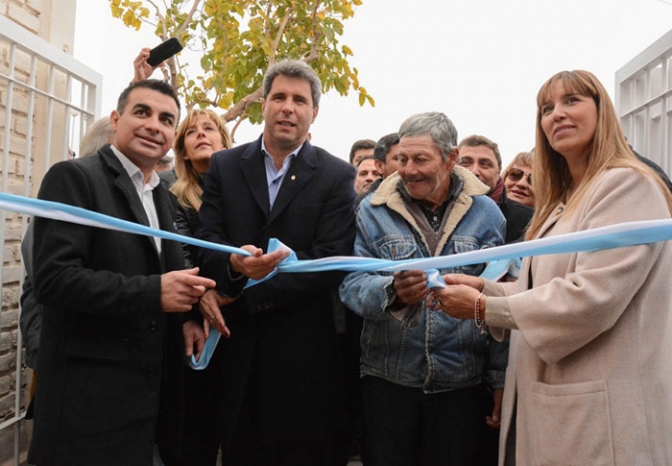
[
  {"x": 454, "y": 154},
  {"x": 114, "y": 118},
  {"x": 451, "y": 159},
  {"x": 380, "y": 166}
]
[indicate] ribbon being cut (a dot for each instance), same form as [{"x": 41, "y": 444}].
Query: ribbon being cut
[{"x": 500, "y": 259}]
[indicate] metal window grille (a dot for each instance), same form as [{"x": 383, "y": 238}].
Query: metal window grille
[{"x": 47, "y": 100}]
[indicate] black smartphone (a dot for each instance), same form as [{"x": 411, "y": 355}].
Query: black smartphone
[{"x": 163, "y": 51}]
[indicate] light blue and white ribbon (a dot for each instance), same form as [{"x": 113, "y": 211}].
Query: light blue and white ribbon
[
  {"x": 72, "y": 214},
  {"x": 500, "y": 259}
]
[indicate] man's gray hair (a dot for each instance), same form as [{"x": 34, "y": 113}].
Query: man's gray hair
[
  {"x": 437, "y": 125},
  {"x": 294, "y": 69}
]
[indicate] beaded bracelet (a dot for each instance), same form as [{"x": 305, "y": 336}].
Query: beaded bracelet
[{"x": 478, "y": 321}]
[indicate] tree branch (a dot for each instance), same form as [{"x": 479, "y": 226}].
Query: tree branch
[
  {"x": 267, "y": 26},
  {"x": 190, "y": 16},
  {"x": 160, "y": 19},
  {"x": 281, "y": 29},
  {"x": 279, "y": 34},
  {"x": 241, "y": 106},
  {"x": 313, "y": 55},
  {"x": 235, "y": 127}
]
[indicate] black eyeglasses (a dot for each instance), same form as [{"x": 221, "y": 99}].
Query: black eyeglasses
[{"x": 515, "y": 174}]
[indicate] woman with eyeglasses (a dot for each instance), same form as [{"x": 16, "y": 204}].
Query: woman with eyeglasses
[
  {"x": 589, "y": 379},
  {"x": 518, "y": 179}
]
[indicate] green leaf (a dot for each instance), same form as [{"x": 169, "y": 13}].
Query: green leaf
[{"x": 236, "y": 40}]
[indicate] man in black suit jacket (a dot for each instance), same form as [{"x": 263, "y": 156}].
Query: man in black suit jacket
[
  {"x": 481, "y": 156},
  {"x": 280, "y": 390},
  {"x": 110, "y": 353}
]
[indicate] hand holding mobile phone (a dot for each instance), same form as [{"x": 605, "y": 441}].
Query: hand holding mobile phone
[{"x": 164, "y": 51}]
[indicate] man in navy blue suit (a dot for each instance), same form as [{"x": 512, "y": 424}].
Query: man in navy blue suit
[{"x": 279, "y": 395}]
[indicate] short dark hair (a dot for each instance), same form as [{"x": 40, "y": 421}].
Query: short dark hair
[
  {"x": 361, "y": 144},
  {"x": 366, "y": 157},
  {"x": 294, "y": 69},
  {"x": 384, "y": 145},
  {"x": 154, "y": 84},
  {"x": 476, "y": 140}
]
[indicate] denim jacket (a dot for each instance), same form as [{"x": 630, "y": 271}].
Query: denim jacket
[{"x": 414, "y": 346}]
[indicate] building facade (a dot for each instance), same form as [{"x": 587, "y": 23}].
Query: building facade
[{"x": 644, "y": 101}]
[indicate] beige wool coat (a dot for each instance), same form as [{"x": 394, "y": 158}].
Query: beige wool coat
[{"x": 589, "y": 380}]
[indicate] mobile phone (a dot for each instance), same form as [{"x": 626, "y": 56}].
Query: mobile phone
[{"x": 164, "y": 51}]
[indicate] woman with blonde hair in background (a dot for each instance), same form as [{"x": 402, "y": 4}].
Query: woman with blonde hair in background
[
  {"x": 201, "y": 133},
  {"x": 518, "y": 179},
  {"x": 589, "y": 377}
]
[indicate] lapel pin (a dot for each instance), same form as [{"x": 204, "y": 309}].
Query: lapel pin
[{"x": 293, "y": 177}]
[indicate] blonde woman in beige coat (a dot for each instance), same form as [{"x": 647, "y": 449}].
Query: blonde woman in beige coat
[{"x": 589, "y": 380}]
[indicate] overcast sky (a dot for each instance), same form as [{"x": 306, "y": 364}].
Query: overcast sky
[{"x": 481, "y": 62}]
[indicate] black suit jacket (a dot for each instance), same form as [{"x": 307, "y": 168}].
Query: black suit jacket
[
  {"x": 282, "y": 330},
  {"x": 110, "y": 360}
]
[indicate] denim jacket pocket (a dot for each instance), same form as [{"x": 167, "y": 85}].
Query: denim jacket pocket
[
  {"x": 462, "y": 244},
  {"x": 396, "y": 247}
]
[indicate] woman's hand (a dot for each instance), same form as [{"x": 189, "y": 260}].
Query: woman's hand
[
  {"x": 461, "y": 279},
  {"x": 209, "y": 305},
  {"x": 457, "y": 301},
  {"x": 458, "y": 298},
  {"x": 194, "y": 339}
]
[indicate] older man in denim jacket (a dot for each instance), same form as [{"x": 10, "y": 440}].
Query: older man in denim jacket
[{"x": 423, "y": 372}]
